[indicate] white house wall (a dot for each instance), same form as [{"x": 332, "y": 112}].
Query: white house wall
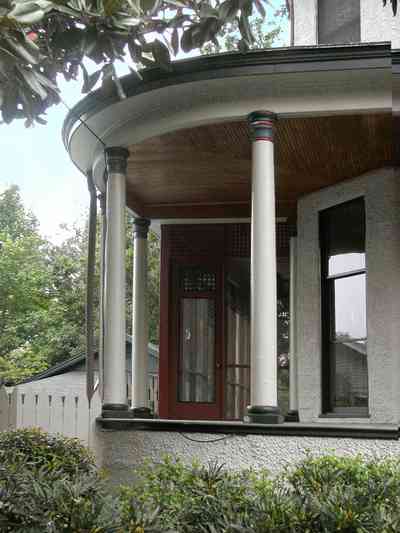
[
  {"x": 377, "y": 23},
  {"x": 305, "y": 22},
  {"x": 122, "y": 451},
  {"x": 381, "y": 189}
]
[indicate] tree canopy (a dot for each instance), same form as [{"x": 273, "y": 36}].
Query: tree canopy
[
  {"x": 41, "y": 39},
  {"x": 42, "y": 291}
]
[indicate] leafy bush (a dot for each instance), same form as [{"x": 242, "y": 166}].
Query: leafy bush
[
  {"x": 42, "y": 503},
  {"x": 37, "y": 450},
  {"x": 321, "y": 495},
  {"x": 51, "y": 484}
]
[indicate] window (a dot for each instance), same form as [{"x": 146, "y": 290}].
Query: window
[
  {"x": 339, "y": 21},
  {"x": 344, "y": 324}
]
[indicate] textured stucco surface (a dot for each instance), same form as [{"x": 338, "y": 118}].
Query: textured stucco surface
[
  {"x": 122, "y": 451},
  {"x": 381, "y": 190},
  {"x": 377, "y": 23},
  {"x": 305, "y": 22}
]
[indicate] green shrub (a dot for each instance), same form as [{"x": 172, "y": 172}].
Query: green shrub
[
  {"x": 39, "y": 503},
  {"x": 39, "y": 450},
  {"x": 320, "y": 495},
  {"x": 50, "y": 484}
]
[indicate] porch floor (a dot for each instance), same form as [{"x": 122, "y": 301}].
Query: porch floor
[{"x": 323, "y": 429}]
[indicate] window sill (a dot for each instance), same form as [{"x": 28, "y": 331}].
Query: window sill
[{"x": 295, "y": 429}]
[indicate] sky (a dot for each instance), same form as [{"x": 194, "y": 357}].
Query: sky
[{"x": 35, "y": 159}]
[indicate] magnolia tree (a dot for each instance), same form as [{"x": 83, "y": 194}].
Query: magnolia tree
[{"x": 41, "y": 39}]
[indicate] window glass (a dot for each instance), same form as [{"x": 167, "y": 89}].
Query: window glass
[
  {"x": 197, "y": 362},
  {"x": 349, "y": 305},
  {"x": 344, "y": 237},
  {"x": 344, "y": 304},
  {"x": 339, "y": 21}
]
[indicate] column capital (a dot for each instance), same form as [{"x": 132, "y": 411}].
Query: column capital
[
  {"x": 141, "y": 228},
  {"x": 116, "y": 159},
  {"x": 262, "y": 125}
]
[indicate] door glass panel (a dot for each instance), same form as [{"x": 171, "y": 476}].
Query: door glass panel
[
  {"x": 350, "y": 308},
  {"x": 196, "y": 381}
]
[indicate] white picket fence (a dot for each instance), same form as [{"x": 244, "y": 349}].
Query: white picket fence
[
  {"x": 69, "y": 414},
  {"x": 57, "y": 410}
]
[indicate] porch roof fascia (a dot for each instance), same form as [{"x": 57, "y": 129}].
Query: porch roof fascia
[{"x": 294, "y": 58}]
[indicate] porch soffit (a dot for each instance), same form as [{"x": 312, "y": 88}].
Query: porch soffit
[
  {"x": 205, "y": 171},
  {"x": 293, "y": 82}
]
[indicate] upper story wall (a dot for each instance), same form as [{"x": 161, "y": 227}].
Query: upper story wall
[{"x": 377, "y": 23}]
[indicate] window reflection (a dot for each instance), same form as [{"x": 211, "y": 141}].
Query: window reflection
[
  {"x": 344, "y": 307},
  {"x": 349, "y": 303},
  {"x": 197, "y": 365}
]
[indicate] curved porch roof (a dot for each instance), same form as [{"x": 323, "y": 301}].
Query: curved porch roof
[{"x": 187, "y": 134}]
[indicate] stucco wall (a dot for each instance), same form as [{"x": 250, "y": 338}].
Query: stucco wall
[
  {"x": 305, "y": 22},
  {"x": 381, "y": 190},
  {"x": 377, "y": 23},
  {"x": 122, "y": 451}
]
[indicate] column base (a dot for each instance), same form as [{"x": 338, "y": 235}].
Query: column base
[
  {"x": 292, "y": 416},
  {"x": 142, "y": 412},
  {"x": 263, "y": 414},
  {"x": 115, "y": 410}
]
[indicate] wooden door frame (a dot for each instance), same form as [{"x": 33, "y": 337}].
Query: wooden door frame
[{"x": 194, "y": 410}]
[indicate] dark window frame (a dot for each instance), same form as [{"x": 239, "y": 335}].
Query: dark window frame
[{"x": 327, "y": 318}]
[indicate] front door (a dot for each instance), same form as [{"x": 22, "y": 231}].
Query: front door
[{"x": 196, "y": 340}]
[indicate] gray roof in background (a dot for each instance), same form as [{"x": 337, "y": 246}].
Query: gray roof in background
[{"x": 78, "y": 360}]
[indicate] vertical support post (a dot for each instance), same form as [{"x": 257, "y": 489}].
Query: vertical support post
[
  {"x": 293, "y": 414},
  {"x": 114, "y": 378},
  {"x": 140, "y": 323},
  {"x": 264, "y": 367},
  {"x": 102, "y": 199}
]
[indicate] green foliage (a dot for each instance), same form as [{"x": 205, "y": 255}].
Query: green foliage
[
  {"x": 320, "y": 495},
  {"x": 50, "y": 484},
  {"x": 43, "y": 291},
  {"x": 44, "y": 38},
  {"x": 37, "y": 451}
]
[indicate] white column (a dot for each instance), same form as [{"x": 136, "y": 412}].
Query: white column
[
  {"x": 140, "y": 323},
  {"x": 293, "y": 414},
  {"x": 264, "y": 383},
  {"x": 114, "y": 363},
  {"x": 102, "y": 199}
]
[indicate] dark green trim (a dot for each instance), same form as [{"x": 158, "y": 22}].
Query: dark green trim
[
  {"x": 274, "y": 60},
  {"x": 239, "y": 428}
]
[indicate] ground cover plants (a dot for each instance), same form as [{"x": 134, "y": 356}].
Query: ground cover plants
[{"x": 51, "y": 484}]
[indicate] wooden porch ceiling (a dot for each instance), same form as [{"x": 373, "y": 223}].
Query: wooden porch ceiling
[{"x": 205, "y": 171}]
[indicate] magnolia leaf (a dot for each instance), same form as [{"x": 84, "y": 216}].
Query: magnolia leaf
[
  {"x": 245, "y": 29},
  {"x": 176, "y": 3},
  {"x": 32, "y": 81},
  {"x": 228, "y": 10},
  {"x": 161, "y": 54},
  {"x": 187, "y": 40},
  {"x": 90, "y": 80},
  {"x": 26, "y": 13},
  {"x": 175, "y": 41},
  {"x": 26, "y": 50},
  {"x": 207, "y": 11},
  {"x": 9, "y": 107},
  {"x": 111, "y": 6},
  {"x": 117, "y": 81}
]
